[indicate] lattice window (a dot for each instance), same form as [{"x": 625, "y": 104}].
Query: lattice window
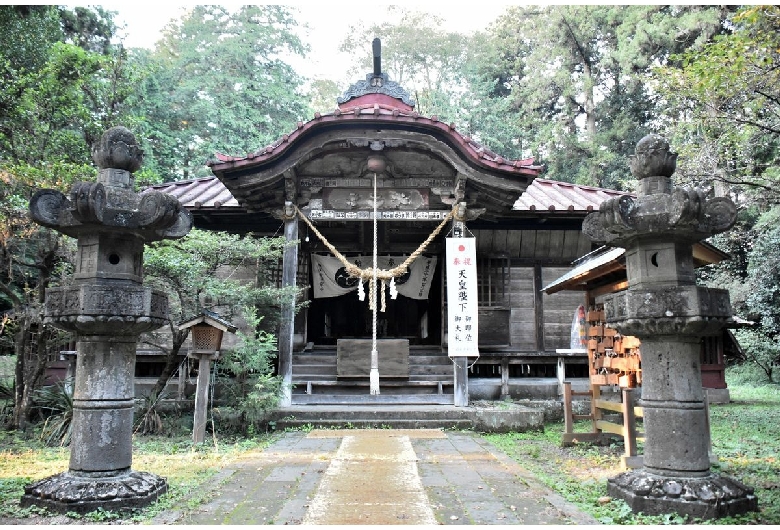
[
  {"x": 206, "y": 338},
  {"x": 493, "y": 282},
  {"x": 274, "y": 271},
  {"x": 55, "y": 343}
]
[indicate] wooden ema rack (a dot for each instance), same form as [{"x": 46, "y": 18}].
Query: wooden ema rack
[{"x": 612, "y": 359}]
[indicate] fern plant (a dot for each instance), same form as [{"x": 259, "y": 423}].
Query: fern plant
[{"x": 55, "y": 403}]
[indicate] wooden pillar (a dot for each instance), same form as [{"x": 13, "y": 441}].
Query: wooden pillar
[
  {"x": 183, "y": 367},
  {"x": 560, "y": 373},
  {"x": 505, "y": 378},
  {"x": 461, "y": 374},
  {"x": 287, "y": 324},
  {"x": 538, "y": 308},
  {"x": 201, "y": 398}
]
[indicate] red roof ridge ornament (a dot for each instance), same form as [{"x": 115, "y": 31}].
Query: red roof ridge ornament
[{"x": 376, "y": 88}]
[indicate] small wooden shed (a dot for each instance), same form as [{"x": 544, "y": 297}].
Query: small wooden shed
[{"x": 617, "y": 360}]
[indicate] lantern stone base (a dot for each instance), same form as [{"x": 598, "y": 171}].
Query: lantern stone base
[
  {"x": 707, "y": 497},
  {"x": 68, "y": 492}
]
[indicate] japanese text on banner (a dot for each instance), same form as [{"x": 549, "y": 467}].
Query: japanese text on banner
[{"x": 462, "y": 307}]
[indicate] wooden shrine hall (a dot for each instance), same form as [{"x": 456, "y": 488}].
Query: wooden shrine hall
[{"x": 374, "y": 158}]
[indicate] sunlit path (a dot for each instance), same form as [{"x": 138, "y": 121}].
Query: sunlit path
[{"x": 372, "y": 479}]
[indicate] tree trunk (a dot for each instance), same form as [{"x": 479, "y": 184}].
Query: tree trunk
[
  {"x": 21, "y": 412},
  {"x": 171, "y": 361},
  {"x": 29, "y": 372}
]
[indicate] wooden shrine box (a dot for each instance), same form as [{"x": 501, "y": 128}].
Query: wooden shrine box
[{"x": 353, "y": 357}]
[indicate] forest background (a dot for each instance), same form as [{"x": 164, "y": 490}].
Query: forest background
[{"x": 575, "y": 87}]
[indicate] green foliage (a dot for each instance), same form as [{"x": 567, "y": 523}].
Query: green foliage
[
  {"x": 209, "y": 269},
  {"x": 90, "y": 28},
  {"x": 577, "y": 77},
  {"x": 249, "y": 367},
  {"x": 55, "y": 403},
  {"x": 722, "y": 101},
  {"x": 761, "y": 349},
  {"x": 743, "y": 437},
  {"x": 148, "y": 418},
  {"x": 217, "y": 83}
]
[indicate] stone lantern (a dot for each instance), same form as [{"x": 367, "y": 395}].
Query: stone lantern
[
  {"x": 206, "y": 333},
  {"x": 107, "y": 307},
  {"x": 665, "y": 308}
]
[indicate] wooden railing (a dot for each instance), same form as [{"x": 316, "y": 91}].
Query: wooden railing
[{"x": 602, "y": 430}]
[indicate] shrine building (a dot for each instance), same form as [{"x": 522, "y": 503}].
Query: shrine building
[{"x": 321, "y": 184}]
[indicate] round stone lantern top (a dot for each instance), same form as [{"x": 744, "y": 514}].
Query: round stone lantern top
[
  {"x": 118, "y": 149},
  {"x": 653, "y": 158}
]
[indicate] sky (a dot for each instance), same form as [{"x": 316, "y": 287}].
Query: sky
[{"x": 329, "y": 23}]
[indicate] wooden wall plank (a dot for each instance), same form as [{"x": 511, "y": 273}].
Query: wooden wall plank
[
  {"x": 528, "y": 244},
  {"x": 559, "y": 311},
  {"x": 513, "y": 242},
  {"x": 585, "y": 245},
  {"x": 556, "y": 243},
  {"x": 542, "y": 250},
  {"x": 571, "y": 244},
  {"x": 499, "y": 241}
]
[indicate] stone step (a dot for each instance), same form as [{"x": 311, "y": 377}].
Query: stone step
[
  {"x": 368, "y": 423},
  {"x": 384, "y": 398},
  {"x": 357, "y": 387},
  {"x": 404, "y": 412}
]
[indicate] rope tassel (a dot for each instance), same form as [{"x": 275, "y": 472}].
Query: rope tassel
[{"x": 393, "y": 290}]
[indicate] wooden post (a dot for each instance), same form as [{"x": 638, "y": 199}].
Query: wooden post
[
  {"x": 538, "y": 309},
  {"x": 560, "y": 373},
  {"x": 505, "y": 378},
  {"x": 568, "y": 421},
  {"x": 201, "y": 399},
  {"x": 629, "y": 423},
  {"x": 461, "y": 374},
  {"x": 287, "y": 324},
  {"x": 595, "y": 412}
]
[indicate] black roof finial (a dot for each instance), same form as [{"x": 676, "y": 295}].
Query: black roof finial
[{"x": 377, "y": 46}]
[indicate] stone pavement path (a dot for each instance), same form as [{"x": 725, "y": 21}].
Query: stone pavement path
[{"x": 419, "y": 477}]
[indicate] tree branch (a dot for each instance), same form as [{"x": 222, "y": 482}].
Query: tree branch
[
  {"x": 15, "y": 300},
  {"x": 771, "y": 98}
]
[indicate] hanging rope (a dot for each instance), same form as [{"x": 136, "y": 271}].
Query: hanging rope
[
  {"x": 374, "y": 373},
  {"x": 381, "y": 274}
]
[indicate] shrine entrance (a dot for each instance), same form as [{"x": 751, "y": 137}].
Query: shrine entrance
[
  {"x": 372, "y": 188},
  {"x": 345, "y": 316}
]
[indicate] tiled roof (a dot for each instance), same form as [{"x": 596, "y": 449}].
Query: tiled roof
[
  {"x": 543, "y": 196},
  {"x": 562, "y": 197},
  {"x": 377, "y": 113},
  {"x": 206, "y": 192}
]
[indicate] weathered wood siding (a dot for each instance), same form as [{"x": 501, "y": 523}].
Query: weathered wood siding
[
  {"x": 521, "y": 318},
  {"x": 538, "y": 322},
  {"x": 558, "y": 310},
  {"x": 566, "y": 245}
]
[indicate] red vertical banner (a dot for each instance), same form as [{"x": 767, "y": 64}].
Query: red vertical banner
[{"x": 462, "y": 307}]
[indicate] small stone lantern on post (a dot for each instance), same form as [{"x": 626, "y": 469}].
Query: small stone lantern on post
[
  {"x": 665, "y": 308},
  {"x": 108, "y": 307},
  {"x": 206, "y": 333}
]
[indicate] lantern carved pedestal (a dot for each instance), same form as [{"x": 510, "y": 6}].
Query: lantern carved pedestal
[
  {"x": 665, "y": 308},
  {"x": 108, "y": 307}
]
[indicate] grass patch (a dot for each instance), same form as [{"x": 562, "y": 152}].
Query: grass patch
[
  {"x": 188, "y": 469},
  {"x": 744, "y": 438}
]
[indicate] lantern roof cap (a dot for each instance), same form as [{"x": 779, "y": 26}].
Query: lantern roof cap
[{"x": 212, "y": 319}]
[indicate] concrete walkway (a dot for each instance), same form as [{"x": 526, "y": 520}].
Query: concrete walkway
[{"x": 419, "y": 477}]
